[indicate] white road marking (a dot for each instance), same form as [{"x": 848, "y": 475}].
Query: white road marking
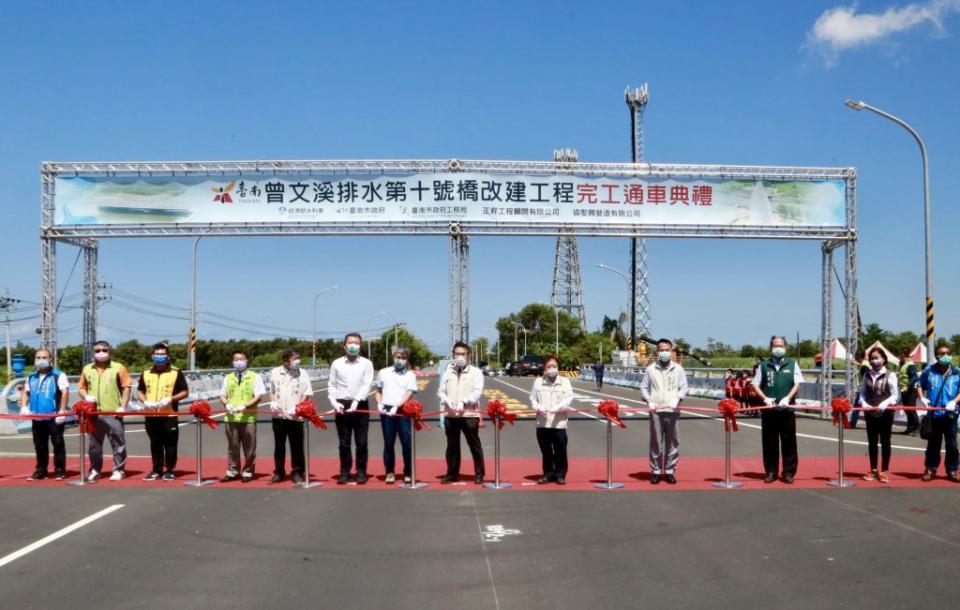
[
  {"x": 58, "y": 534},
  {"x": 486, "y": 557},
  {"x": 744, "y": 424},
  {"x": 496, "y": 533}
]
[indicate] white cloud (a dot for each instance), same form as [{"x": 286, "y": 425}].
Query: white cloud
[{"x": 842, "y": 28}]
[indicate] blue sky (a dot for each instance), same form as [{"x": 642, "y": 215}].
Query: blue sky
[{"x": 731, "y": 82}]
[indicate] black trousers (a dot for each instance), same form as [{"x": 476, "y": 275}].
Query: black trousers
[
  {"x": 879, "y": 429},
  {"x": 778, "y": 429},
  {"x": 355, "y": 425},
  {"x": 909, "y": 399},
  {"x": 599, "y": 382},
  {"x": 553, "y": 446},
  {"x": 284, "y": 430},
  {"x": 164, "y": 435},
  {"x": 470, "y": 427},
  {"x": 944, "y": 431},
  {"x": 46, "y": 433}
]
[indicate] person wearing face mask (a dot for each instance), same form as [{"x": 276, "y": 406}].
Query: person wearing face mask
[
  {"x": 395, "y": 385},
  {"x": 551, "y": 398},
  {"x": 107, "y": 384},
  {"x": 776, "y": 383},
  {"x": 241, "y": 393},
  {"x": 162, "y": 386},
  {"x": 47, "y": 391},
  {"x": 877, "y": 394},
  {"x": 460, "y": 389},
  {"x": 351, "y": 377},
  {"x": 939, "y": 389},
  {"x": 288, "y": 386},
  {"x": 663, "y": 387}
]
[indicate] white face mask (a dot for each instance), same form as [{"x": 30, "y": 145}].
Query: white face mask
[
  {"x": 101, "y": 356},
  {"x": 551, "y": 372},
  {"x": 877, "y": 363},
  {"x": 353, "y": 349},
  {"x": 779, "y": 352},
  {"x": 42, "y": 364},
  {"x": 460, "y": 361},
  {"x": 295, "y": 363},
  {"x": 240, "y": 365},
  {"x": 664, "y": 357}
]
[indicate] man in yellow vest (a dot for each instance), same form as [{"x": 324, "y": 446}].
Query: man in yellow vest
[
  {"x": 162, "y": 387},
  {"x": 107, "y": 384},
  {"x": 241, "y": 393}
]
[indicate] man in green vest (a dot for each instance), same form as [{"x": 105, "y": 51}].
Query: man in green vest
[
  {"x": 777, "y": 382},
  {"x": 241, "y": 393},
  {"x": 107, "y": 384}
]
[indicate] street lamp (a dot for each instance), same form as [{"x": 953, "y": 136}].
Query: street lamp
[
  {"x": 313, "y": 327},
  {"x": 370, "y": 326},
  {"x": 517, "y": 325},
  {"x": 861, "y": 105}
]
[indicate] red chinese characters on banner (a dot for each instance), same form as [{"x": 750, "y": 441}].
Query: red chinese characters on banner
[
  {"x": 679, "y": 194},
  {"x": 703, "y": 195},
  {"x": 586, "y": 193},
  {"x": 633, "y": 194}
]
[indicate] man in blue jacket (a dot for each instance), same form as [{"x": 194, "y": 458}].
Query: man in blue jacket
[
  {"x": 939, "y": 387},
  {"x": 47, "y": 392}
]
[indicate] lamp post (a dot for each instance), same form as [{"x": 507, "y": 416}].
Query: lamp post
[
  {"x": 313, "y": 326},
  {"x": 927, "y": 256}
]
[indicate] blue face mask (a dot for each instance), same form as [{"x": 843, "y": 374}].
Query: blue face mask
[
  {"x": 400, "y": 364},
  {"x": 160, "y": 359},
  {"x": 945, "y": 360}
]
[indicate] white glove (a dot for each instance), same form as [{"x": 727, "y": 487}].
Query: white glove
[
  {"x": 952, "y": 405},
  {"x": 338, "y": 408},
  {"x": 229, "y": 407},
  {"x": 393, "y": 410},
  {"x": 674, "y": 403},
  {"x": 769, "y": 401},
  {"x": 150, "y": 406},
  {"x": 60, "y": 420},
  {"x": 458, "y": 406},
  {"x": 381, "y": 408},
  {"x": 353, "y": 406},
  {"x": 785, "y": 402},
  {"x": 92, "y": 399},
  {"x": 119, "y": 409},
  {"x": 24, "y": 410},
  {"x": 165, "y": 401},
  {"x": 275, "y": 409},
  {"x": 882, "y": 407},
  {"x": 136, "y": 406},
  {"x": 925, "y": 401}
]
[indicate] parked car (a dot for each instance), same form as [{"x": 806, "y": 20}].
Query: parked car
[
  {"x": 530, "y": 365},
  {"x": 512, "y": 368}
]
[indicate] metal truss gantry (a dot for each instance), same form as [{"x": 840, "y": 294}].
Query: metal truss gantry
[
  {"x": 458, "y": 316},
  {"x": 640, "y": 317},
  {"x": 567, "y": 292}
]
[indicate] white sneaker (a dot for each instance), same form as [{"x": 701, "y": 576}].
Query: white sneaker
[
  {"x": 117, "y": 475},
  {"x": 93, "y": 476},
  {"x": 391, "y": 478}
]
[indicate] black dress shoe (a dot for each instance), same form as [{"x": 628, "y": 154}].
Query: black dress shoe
[
  {"x": 770, "y": 478},
  {"x": 227, "y": 478},
  {"x": 788, "y": 479},
  {"x": 478, "y": 479},
  {"x": 448, "y": 478},
  {"x": 246, "y": 479},
  {"x": 561, "y": 481},
  {"x": 297, "y": 478},
  {"x": 655, "y": 479},
  {"x": 38, "y": 475},
  {"x": 276, "y": 478},
  {"x": 543, "y": 480},
  {"x": 362, "y": 478},
  {"x": 671, "y": 479},
  {"x": 344, "y": 478}
]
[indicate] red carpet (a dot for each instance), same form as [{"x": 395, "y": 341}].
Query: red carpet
[{"x": 694, "y": 473}]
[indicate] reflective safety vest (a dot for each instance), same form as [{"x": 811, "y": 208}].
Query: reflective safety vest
[
  {"x": 44, "y": 394},
  {"x": 103, "y": 384},
  {"x": 240, "y": 393},
  {"x": 160, "y": 385}
]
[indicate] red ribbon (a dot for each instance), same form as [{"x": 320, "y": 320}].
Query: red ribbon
[
  {"x": 84, "y": 410},
  {"x": 841, "y": 407},
  {"x": 414, "y": 410},
  {"x": 201, "y": 410},
  {"x": 307, "y": 409},
  {"x": 611, "y": 410},
  {"x": 497, "y": 411},
  {"x": 728, "y": 408}
]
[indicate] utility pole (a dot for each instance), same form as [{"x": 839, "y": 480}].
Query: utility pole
[{"x": 6, "y": 303}]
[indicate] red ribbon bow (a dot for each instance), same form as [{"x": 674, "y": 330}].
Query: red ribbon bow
[
  {"x": 728, "y": 408},
  {"x": 611, "y": 410},
  {"x": 201, "y": 410},
  {"x": 414, "y": 410},
  {"x": 841, "y": 407},
  {"x": 497, "y": 411},
  {"x": 307, "y": 409},
  {"x": 84, "y": 409}
]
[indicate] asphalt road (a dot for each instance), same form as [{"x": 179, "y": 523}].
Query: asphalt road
[{"x": 472, "y": 548}]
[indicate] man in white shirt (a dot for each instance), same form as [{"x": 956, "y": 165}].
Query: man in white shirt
[
  {"x": 663, "y": 386},
  {"x": 288, "y": 386},
  {"x": 395, "y": 385},
  {"x": 460, "y": 389},
  {"x": 351, "y": 377}
]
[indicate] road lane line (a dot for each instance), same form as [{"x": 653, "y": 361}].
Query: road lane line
[{"x": 58, "y": 534}]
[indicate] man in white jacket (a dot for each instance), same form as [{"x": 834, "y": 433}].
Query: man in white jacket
[
  {"x": 551, "y": 397},
  {"x": 460, "y": 389},
  {"x": 663, "y": 386},
  {"x": 351, "y": 378}
]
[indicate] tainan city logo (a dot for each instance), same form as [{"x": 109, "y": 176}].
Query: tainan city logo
[{"x": 222, "y": 194}]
